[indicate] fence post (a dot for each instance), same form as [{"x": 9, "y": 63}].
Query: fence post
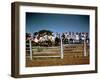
[
  {"x": 84, "y": 47},
  {"x": 30, "y": 49},
  {"x": 62, "y": 54}
]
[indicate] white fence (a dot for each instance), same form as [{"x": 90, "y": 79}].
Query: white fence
[{"x": 61, "y": 50}]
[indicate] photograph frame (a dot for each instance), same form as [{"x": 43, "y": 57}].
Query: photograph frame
[{"x": 15, "y": 41}]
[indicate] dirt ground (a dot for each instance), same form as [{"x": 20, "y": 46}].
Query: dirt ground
[{"x": 73, "y": 55}]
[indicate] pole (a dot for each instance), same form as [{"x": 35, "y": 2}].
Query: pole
[
  {"x": 84, "y": 48},
  {"x": 30, "y": 49},
  {"x": 62, "y": 54}
]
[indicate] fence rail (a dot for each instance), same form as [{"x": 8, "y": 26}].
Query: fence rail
[{"x": 59, "y": 53}]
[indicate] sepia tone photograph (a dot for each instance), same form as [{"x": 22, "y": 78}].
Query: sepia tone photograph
[{"x": 57, "y": 39}]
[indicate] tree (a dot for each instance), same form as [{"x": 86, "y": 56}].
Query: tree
[
  {"x": 35, "y": 33},
  {"x": 28, "y": 35},
  {"x": 45, "y": 31}
]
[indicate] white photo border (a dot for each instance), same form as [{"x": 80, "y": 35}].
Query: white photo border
[{"x": 54, "y": 69}]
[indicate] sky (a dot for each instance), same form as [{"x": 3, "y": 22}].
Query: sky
[{"x": 56, "y": 22}]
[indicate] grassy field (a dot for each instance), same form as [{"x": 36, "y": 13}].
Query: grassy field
[{"x": 73, "y": 55}]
